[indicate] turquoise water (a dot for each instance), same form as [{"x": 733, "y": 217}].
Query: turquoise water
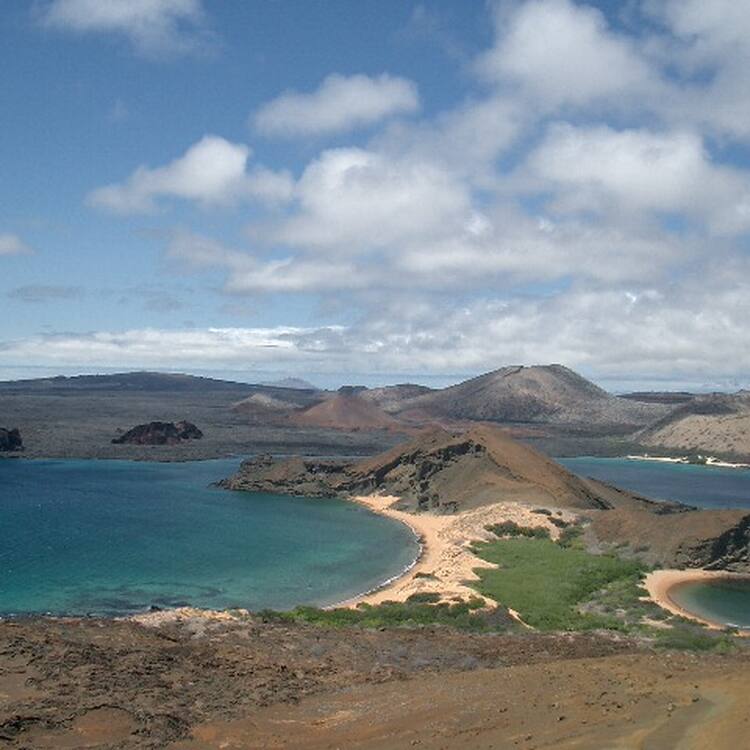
[
  {"x": 114, "y": 537},
  {"x": 722, "y": 600},
  {"x": 704, "y": 486}
]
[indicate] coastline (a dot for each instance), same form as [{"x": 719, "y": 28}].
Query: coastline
[
  {"x": 445, "y": 565},
  {"x": 659, "y": 584},
  {"x": 709, "y": 461}
]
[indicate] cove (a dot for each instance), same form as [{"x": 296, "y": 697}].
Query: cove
[
  {"x": 117, "y": 537},
  {"x": 721, "y": 600}
]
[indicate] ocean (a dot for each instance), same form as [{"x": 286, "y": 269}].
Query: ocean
[
  {"x": 702, "y": 486},
  {"x": 117, "y": 537}
]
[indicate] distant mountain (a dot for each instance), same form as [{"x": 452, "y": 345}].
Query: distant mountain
[
  {"x": 550, "y": 394},
  {"x": 124, "y": 381},
  {"x": 712, "y": 423},
  {"x": 671, "y": 398},
  {"x": 390, "y": 397},
  {"x": 294, "y": 383}
]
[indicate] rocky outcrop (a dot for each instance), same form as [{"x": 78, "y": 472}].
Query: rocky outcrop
[
  {"x": 160, "y": 433},
  {"x": 10, "y": 440},
  {"x": 438, "y": 471},
  {"x": 712, "y": 539}
]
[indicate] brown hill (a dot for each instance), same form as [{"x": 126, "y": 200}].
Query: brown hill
[
  {"x": 347, "y": 410},
  {"x": 390, "y": 397},
  {"x": 550, "y": 394},
  {"x": 714, "y": 423},
  {"x": 438, "y": 471},
  {"x": 442, "y": 472}
]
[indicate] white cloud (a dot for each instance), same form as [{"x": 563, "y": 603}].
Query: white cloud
[
  {"x": 353, "y": 199},
  {"x": 691, "y": 330},
  {"x": 559, "y": 52},
  {"x": 12, "y": 244},
  {"x": 213, "y": 171},
  {"x": 154, "y": 27},
  {"x": 601, "y": 169},
  {"x": 340, "y": 104}
]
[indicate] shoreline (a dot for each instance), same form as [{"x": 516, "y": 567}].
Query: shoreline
[
  {"x": 659, "y": 584},
  {"x": 709, "y": 461}
]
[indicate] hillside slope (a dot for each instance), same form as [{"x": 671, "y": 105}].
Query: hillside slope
[
  {"x": 438, "y": 471},
  {"x": 550, "y": 394},
  {"x": 715, "y": 423},
  {"x": 345, "y": 411}
]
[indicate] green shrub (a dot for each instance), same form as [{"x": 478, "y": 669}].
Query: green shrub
[{"x": 511, "y": 528}]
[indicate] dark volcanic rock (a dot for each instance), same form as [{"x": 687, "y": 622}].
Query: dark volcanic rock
[
  {"x": 160, "y": 433},
  {"x": 10, "y": 440}
]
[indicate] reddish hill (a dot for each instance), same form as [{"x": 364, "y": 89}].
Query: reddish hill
[{"x": 346, "y": 411}]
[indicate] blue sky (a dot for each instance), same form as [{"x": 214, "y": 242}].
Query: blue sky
[{"x": 365, "y": 191}]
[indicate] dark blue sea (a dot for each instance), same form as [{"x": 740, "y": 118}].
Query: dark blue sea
[
  {"x": 116, "y": 537},
  {"x": 702, "y": 486}
]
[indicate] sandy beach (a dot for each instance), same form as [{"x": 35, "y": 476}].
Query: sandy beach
[
  {"x": 446, "y": 564},
  {"x": 659, "y": 583}
]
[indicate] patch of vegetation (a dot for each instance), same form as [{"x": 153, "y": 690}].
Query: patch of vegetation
[
  {"x": 571, "y": 537},
  {"x": 464, "y": 615},
  {"x": 693, "y": 638},
  {"x": 511, "y": 528},
  {"x": 424, "y": 597},
  {"x": 546, "y": 583}
]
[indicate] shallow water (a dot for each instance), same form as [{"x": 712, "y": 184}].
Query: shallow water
[
  {"x": 703, "y": 486},
  {"x": 114, "y": 537},
  {"x": 721, "y": 600}
]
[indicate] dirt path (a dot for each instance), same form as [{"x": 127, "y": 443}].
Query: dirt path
[{"x": 647, "y": 702}]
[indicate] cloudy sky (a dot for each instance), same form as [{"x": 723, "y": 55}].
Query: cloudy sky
[{"x": 376, "y": 190}]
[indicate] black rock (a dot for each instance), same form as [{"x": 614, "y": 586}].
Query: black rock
[{"x": 10, "y": 440}]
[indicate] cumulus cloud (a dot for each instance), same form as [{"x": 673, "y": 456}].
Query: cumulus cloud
[
  {"x": 12, "y": 244},
  {"x": 154, "y": 27},
  {"x": 339, "y": 104},
  {"x": 354, "y": 199},
  {"x": 212, "y": 171},
  {"x": 598, "y": 168},
  {"x": 562, "y": 53}
]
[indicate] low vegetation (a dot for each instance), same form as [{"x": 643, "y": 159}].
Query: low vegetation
[
  {"x": 420, "y": 610},
  {"x": 511, "y": 528},
  {"x": 546, "y": 583}
]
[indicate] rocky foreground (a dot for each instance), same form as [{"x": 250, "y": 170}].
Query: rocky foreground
[{"x": 196, "y": 682}]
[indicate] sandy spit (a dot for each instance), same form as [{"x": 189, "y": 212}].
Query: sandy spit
[{"x": 446, "y": 564}]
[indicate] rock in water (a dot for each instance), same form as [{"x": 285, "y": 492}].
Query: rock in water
[
  {"x": 10, "y": 440},
  {"x": 160, "y": 433}
]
